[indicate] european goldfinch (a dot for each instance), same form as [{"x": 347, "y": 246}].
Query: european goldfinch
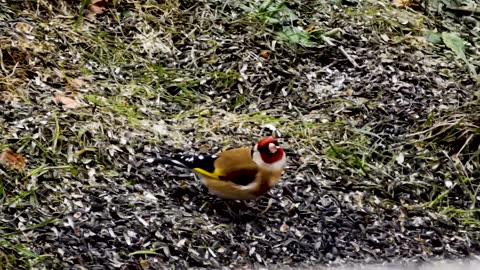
[{"x": 238, "y": 174}]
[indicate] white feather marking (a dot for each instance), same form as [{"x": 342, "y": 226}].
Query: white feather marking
[
  {"x": 249, "y": 186},
  {"x": 277, "y": 165},
  {"x": 200, "y": 157},
  {"x": 178, "y": 162}
]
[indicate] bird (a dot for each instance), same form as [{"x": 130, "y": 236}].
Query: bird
[{"x": 244, "y": 173}]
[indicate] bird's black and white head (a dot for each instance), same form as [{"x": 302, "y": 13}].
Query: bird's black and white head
[{"x": 269, "y": 154}]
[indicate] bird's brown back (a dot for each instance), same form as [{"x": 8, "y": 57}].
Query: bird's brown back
[{"x": 236, "y": 161}]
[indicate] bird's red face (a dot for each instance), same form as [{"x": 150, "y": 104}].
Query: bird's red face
[{"x": 270, "y": 150}]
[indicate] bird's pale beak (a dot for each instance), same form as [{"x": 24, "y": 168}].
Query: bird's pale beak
[{"x": 272, "y": 147}]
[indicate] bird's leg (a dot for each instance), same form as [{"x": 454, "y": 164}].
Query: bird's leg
[
  {"x": 204, "y": 189},
  {"x": 197, "y": 177},
  {"x": 249, "y": 204},
  {"x": 230, "y": 212},
  {"x": 229, "y": 208}
]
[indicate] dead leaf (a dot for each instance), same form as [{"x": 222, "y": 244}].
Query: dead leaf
[
  {"x": 265, "y": 54},
  {"x": 406, "y": 3},
  {"x": 349, "y": 92},
  {"x": 144, "y": 264},
  {"x": 67, "y": 102},
  {"x": 74, "y": 94},
  {"x": 310, "y": 28},
  {"x": 96, "y": 7},
  {"x": 12, "y": 159},
  {"x": 74, "y": 84},
  {"x": 24, "y": 27}
]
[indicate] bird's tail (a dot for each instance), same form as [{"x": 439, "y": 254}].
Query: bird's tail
[
  {"x": 167, "y": 161},
  {"x": 206, "y": 162}
]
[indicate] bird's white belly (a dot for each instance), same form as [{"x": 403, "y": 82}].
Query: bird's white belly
[{"x": 237, "y": 194}]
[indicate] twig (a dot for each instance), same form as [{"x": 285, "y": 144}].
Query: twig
[
  {"x": 474, "y": 202},
  {"x": 327, "y": 40},
  {"x": 349, "y": 57},
  {"x": 465, "y": 144},
  {"x": 473, "y": 10},
  {"x": 1, "y": 62}
]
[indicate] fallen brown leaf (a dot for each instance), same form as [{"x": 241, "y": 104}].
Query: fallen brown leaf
[
  {"x": 310, "y": 28},
  {"x": 24, "y": 27},
  {"x": 406, "y": 3},
  {"x": 144, "y": 264},
  {"x": 74, "y": 84},
  {"x": 265, "y": 54},
  {"x": 349, "y": 92},
  {"x": 67, "y": 102},
  {"x": 96, "y": 7},
  {"x": 12, "y": 159}
]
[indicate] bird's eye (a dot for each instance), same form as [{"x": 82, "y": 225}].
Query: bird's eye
[
  {"x": 276, "y": 143},
  {"x": 263, "y": 149}
]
